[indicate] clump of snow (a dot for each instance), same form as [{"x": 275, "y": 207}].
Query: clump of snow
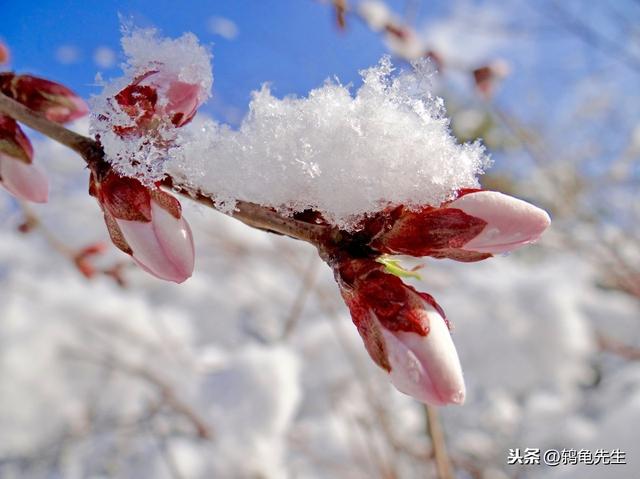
[
  {"x": 341, "y": 154},
  {"x": 344, "y": 155},
  {"x": 182, "y": 58}
]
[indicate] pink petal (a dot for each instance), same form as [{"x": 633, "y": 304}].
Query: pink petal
[
  {"x": 175, "y": 236},
  {"x": 184, "y": 99},
  {"x": 511, "y": 222},
  {"x": 163, "y": 246},
  {"x": 23, "y": 180},
  {"x": 426, "y": 367}
]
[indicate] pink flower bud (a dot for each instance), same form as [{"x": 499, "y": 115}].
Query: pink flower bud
[
  {"x": 183, "y": 101},
  {"x": 510, "y": 222},
  {"x": 18, "y": 174},
  {"x": 147, "y": 224},
  {"x": 157, "y": 97},
  {"x": 56, "y": 102},
  {"x": 404, "y": 331},
  {"x": 473, "y": 227},
  {"x": 26, "y": 181},
  {"x": 13, "y": 141}
]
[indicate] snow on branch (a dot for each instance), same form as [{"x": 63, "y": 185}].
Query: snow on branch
[{"x": 346, "y": 155}]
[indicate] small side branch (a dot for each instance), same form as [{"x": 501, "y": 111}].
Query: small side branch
[{"x": 78, "y": 143}]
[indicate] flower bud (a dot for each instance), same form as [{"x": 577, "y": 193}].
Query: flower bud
[
  {"x": 18, "y": 174},
  {"x": 404, "y": 331},
  {"x": 510, "y": 222},
  {"x": 56, "y": 102},
  {"x": 157, "y": 97},
  {"x": 472, "y": 227},
  {"x": 147, "y": 224}
]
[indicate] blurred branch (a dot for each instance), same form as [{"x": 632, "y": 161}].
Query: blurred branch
[
  {"x": 32, "y": 221},
  {"x": 79, "y": 257},
  {"x": 308, "y": 281},
  {"x": 434, "y": 429},
  {"x": 614, "y": 346},
  {"x": 165, "y": 390},
  {"x": 165, "y": 453}
]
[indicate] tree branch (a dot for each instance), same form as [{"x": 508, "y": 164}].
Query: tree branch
[
  {"x": 78, "y": 143},
  {"x": 91, "y": 151},
  {"x": 434, "y": 429}
]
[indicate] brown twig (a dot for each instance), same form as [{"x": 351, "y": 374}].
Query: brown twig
[{"x": 434, "y": 429}]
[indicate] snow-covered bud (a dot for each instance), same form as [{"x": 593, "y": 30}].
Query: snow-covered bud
[
  {"x": 157, "y": 97},
  {"x": 56, "y": 102},
  {"x": 404, "y": 332},
  {"x": 18, "y": 174},
  {"x": 472, "y": 227},
  {"x": 146, "y": 223}
]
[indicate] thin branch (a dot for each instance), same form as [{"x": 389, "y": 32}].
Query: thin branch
[
  {"x": 165, "y": 390},
  {"x": 434, "y": 428},
  {"x": 301, "y": 298},
  {"x": 78, "y": 143},
  {"x": 256, "y": 216}
]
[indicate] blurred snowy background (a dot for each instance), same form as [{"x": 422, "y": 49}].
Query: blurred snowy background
[{"x": 252, "y": 368}]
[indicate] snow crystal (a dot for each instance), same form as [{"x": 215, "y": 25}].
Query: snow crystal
[
  {"x": 343, "y": 155},
  {"x": 183, "y": 58}
]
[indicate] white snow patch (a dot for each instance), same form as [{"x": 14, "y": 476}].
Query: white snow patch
[{"x": 341, "y": 154}]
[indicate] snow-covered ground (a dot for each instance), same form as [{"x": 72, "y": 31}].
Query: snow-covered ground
[{"x": 102, "y": 381}]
